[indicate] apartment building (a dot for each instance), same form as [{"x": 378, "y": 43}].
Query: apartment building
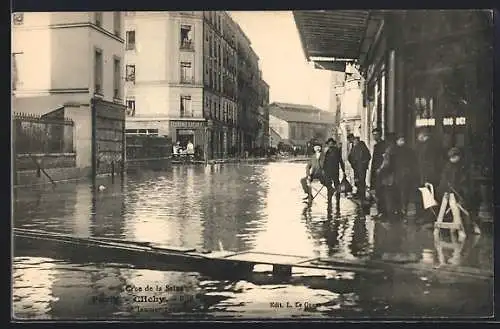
[
  {"x": 68, "y": 60},
  {"x": 263, "y": 131},
  {"x": 184, "y": 79}
]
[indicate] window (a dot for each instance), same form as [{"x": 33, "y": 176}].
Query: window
[
  {"x": 98, "y": 72},
  {"x": 130, "y": 73},
  {"x": 117, "y": 78},
  {"x": 131, "y": 107},
  {"x": 186, "y": 72},
  {"x": 186, "y": 107},
  {"x": 153, "y": 132},
  {"x": 98, "y": 18},
  {"x": 186, "y": 37},
  {"x": 117, "y": 23},
  {"x": 130, "y": 40}
]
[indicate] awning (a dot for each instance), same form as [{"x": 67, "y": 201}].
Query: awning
[{"x": 336, "y": 37}]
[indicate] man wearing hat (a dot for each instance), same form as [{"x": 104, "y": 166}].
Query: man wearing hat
[
  {"x": 333, "y": 161},
  {"x": 359, "y": 157},
  {"x": 314, "y": 170}
]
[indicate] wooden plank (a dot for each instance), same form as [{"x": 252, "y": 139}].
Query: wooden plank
[
  {"x": 219, "y": 254},
  {"x": 345, "y": 267},
  {"x": 268, "y": 259},
  {"x": 104, "y": 241}
]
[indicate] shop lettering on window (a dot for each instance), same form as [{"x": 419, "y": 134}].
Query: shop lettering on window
[
  {"x": 458, "y": 121},
  {"x": 424, "y": 112}
]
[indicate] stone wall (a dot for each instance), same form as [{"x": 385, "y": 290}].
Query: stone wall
[
  {"x": 45, "y": 161},
  {"x": 32, "y": 177}
]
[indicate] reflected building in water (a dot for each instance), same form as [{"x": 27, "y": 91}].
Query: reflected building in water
[
  {"x": 233, "y": 206},
  {"x": 166, "y": 209}
]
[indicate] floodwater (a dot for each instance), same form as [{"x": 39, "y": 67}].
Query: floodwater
[{"x": 234, "y": 207}]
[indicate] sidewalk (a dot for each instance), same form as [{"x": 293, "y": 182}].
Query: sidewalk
[{"x": 406, "y": 242}]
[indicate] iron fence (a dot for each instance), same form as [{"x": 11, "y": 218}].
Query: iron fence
[{"x": 34, "y": 134}]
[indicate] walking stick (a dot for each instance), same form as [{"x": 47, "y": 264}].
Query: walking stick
[{"x": 317, "y": 192}]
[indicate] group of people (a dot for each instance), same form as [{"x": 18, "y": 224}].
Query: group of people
[
  {"x": 178, "y": 150},
  {"x": 397, "y": 171}
]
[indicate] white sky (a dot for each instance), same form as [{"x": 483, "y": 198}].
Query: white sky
[{"x": 275, "y": 39}]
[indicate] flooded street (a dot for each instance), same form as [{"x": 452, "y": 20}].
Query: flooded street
[{"x": 235, "y": 207}]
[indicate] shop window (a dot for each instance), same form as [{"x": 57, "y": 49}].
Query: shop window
[{"x": 424, "y": 112}]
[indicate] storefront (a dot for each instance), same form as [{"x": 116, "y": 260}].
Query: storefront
[
  {"x": 448, "y": 80},
  {"x": 424, "y": 70},
  {"x": 184, "y": 131}
]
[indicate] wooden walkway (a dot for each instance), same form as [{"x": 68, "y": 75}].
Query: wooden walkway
[{"x": 236, "y": 262}]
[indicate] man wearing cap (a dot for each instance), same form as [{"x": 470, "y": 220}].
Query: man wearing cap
[{"x": 314, "y": 170}]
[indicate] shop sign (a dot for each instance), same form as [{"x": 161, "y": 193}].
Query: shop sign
[
  {"x": 185, "y": 132},
  {"x": 458, "y": 121},
  {"x": 187, "y": 124},
  {"x": 431, "y": 122}
]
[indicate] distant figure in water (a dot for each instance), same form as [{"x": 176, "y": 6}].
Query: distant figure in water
[{"x": 101, "y": 188}]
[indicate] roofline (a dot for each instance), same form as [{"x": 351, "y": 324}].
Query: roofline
[
  {"x": 301, "y": 36},
  {"x": 276, "y": 104},
  {"x": 242, "y": 33}
]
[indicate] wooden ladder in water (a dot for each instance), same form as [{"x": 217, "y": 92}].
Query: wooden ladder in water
[{"x": 450, "y": 203}]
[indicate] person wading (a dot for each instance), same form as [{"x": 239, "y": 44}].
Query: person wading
[
  {"x": 377, "y": 159},
  {"x": 359, "y": 158},
  {"x": 332, "y": 162},
  {"x": 314, "y": 170}
]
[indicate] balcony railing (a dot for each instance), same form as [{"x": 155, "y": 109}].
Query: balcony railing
[{"x": 187, "y": 44}]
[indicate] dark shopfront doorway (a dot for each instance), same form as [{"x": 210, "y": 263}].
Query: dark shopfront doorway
[
  {"x": 184, "y": 136},
  {"x": 449, "y": 106}
]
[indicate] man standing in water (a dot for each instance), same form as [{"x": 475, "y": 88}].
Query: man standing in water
[
  {"x": 377, "y": 159},
  {"x": 333, "y": 160},
  {"x": 359, "y": 157}
]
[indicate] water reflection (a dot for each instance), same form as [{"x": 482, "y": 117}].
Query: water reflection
[
  {"x": 32, "y": 288},
  {"x": 236, "y": 207}
]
